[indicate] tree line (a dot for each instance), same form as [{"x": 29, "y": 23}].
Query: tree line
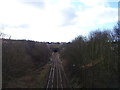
[{"x": 93, "y": 61}]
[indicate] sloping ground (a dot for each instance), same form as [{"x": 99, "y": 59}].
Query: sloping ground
[
  {"x": 92, "y": 62},
  {"x": 94, "y": 77},
  {"x": 35, "y": 79},
  {"x": 19, "y": 60}
]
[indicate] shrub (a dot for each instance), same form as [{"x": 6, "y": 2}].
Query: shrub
[{"x": 21, "y": 57}]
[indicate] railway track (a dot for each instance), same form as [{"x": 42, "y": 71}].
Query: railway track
[{"x": 57, "y": 77}]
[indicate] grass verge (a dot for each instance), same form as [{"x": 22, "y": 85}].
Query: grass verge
[{"x": 35, "y": 79}]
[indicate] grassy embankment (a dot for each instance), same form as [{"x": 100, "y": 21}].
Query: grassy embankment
[
  {"x": 93, "y": 61},
  {"x": 25, "y": 64}
]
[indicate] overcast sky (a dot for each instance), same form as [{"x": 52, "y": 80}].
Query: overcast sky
[{"x": 56, "y": 20}]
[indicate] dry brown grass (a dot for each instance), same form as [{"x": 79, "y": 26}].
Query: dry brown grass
[{"x": 35, "y": 79}]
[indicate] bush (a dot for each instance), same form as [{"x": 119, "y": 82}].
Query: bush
[
  {"x": 22, "y": 57},
  {"x": 91, "y": 61}
]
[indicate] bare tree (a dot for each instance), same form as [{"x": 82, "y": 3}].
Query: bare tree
[{"x": 2, "y": 35}]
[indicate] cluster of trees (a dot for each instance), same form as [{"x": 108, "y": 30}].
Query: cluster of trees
[
  {"x": 93, "y": 61},
  {"x": 20, "y": 57}
]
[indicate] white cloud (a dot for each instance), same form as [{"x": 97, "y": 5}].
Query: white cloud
[
  {"x": 92, "y": 2},
  {"x": 97, "y": 15},
  {"x": 57, "y": 20}
]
